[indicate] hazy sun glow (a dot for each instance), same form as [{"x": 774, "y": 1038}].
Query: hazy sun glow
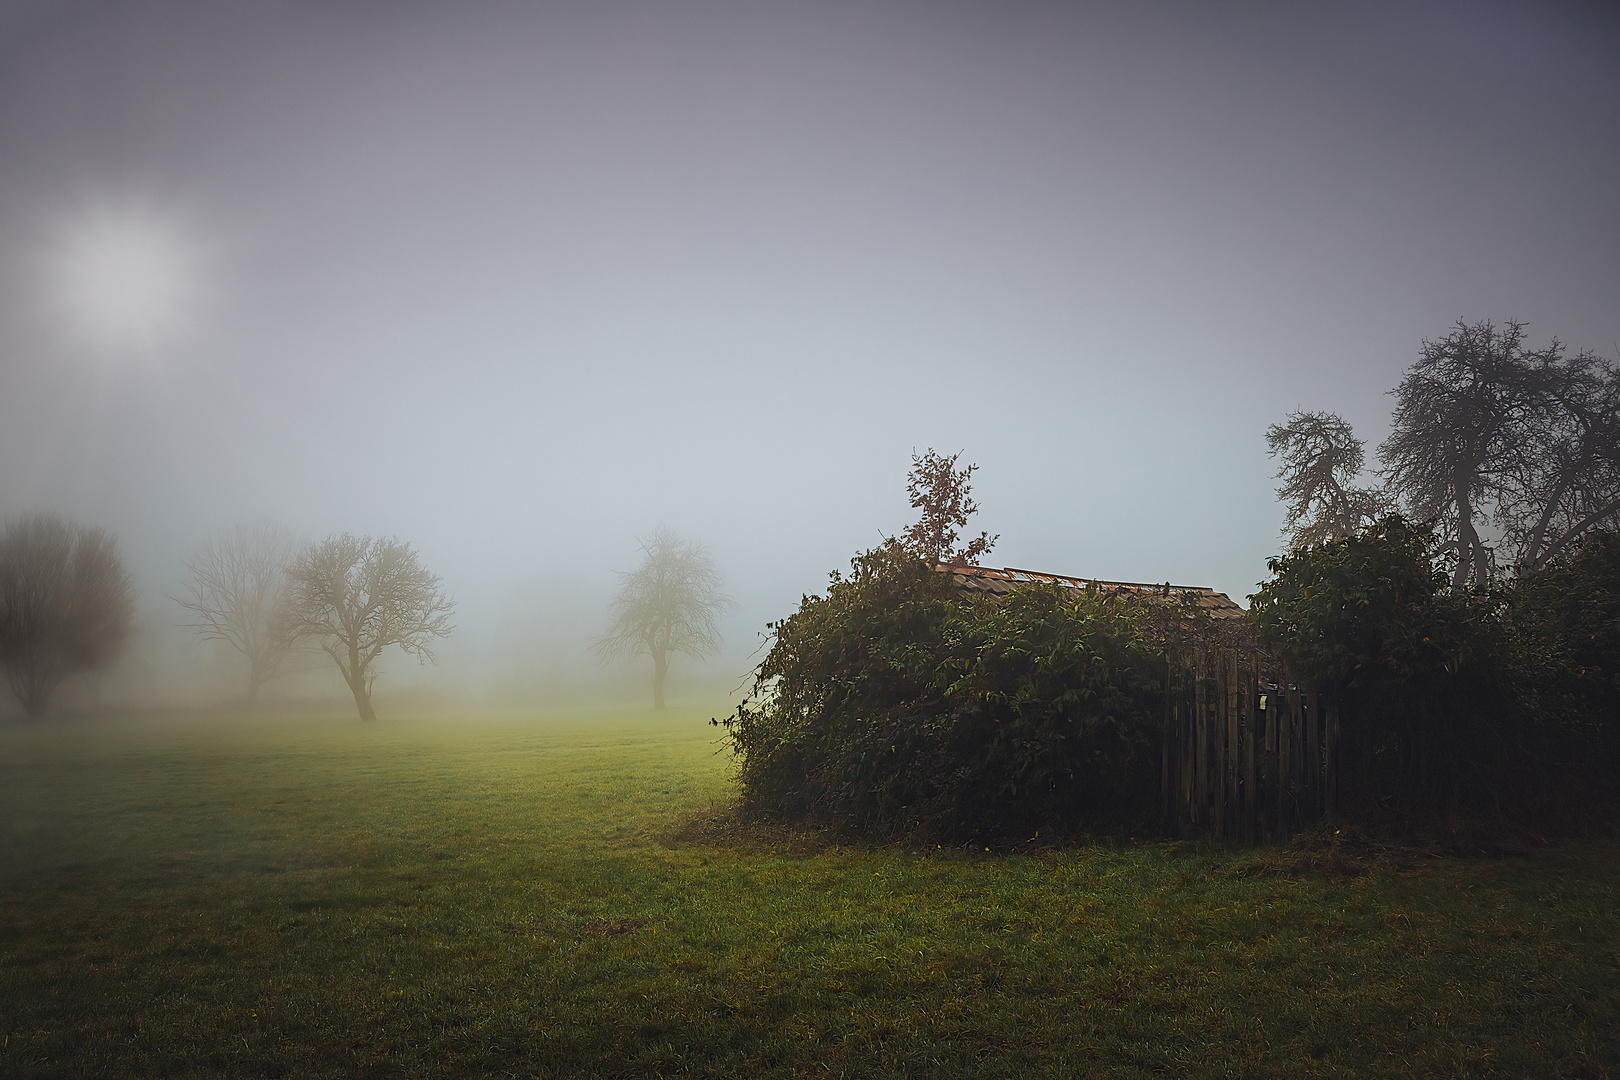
[{"x": 126, "y": 281}]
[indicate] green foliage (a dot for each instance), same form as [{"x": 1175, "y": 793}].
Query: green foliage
[
  {"x": 896, "y": 701},
  {"x": 1415, "y": 666},
  {"x": 1565, "y": 620}
]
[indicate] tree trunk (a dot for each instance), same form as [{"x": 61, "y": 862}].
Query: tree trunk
[
  {"x": 660, "y": 669},
  {"x": 362, "y": 698},
  {"x": 1469, "y": 555}
]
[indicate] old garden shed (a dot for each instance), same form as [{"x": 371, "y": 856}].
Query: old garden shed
[{"x": 1247, "y": 753}]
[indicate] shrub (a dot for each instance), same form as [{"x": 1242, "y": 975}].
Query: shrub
[
  {"x": 897, "y": 702},
  {"x": 1565, "y": 624},
  {"x": 1416, "y": 667}
]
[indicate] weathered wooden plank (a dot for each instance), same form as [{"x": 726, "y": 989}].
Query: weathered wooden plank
[
  {"x": 1285, "y": 757},
  {"x": 1313, "y": 752},
  {"x": 1234, "y": 728},
  {"x": 1200, "y": 806},
  {"x": 1217, "y": 738},
  {"x": 1251, "y": 717},
  {"x": 1167, "y": 737},
  {"x": 1330, "y": 778}
]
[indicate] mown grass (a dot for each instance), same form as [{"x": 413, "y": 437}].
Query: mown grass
[{"x": 530, "y": 896}]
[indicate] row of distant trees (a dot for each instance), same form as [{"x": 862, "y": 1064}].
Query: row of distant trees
[
  {"x": 67, "y": 602},
  {"x": 353, "y": 597},
  {"x": 1512, "y": 452},
  {"x": 250, "y": 589}
]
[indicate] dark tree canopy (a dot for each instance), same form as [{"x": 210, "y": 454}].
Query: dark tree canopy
[
  {"x": 235, "y": 591},
  {"x": 1320, "y": 458},
  {"x": 670, "y": 605},
  {"x": 944, "y": 495},
  {"x": 357, "y": 596},
  {"x": 66, "y": 603}
]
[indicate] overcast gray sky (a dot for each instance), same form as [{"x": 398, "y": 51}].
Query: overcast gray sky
[{"x": 516, "y": 282}]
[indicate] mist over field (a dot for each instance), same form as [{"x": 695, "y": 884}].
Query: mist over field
[{"x": 518, "y": 284}]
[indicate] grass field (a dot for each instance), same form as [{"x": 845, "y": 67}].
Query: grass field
[{"x": 530, "y": 896}]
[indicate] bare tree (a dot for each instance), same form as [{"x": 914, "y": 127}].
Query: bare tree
[
  {"x": 1320, "y": 460},
  {"x": 235, "y": 590},
  {"x": 1564, "y": 480},
  {"x": 66, "y": 603},
  {"x": 1488, "y": 431},
  {"x": 356, "y": 597},
  {"x": 944, "y": 495},
  {"x": 668, "y": 606},
  {"x": 1454, "y": 437}
]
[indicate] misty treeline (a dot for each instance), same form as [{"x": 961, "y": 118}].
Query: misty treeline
[
  {"x": 262, "y": 593},
  {"x": 67, "y": 603},
  {"x": 1472, "y": 672}
]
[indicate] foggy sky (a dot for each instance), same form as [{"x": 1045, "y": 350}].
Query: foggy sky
[{"x": 517, "y": 282}]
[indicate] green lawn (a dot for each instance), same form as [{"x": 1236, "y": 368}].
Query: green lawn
[{"x": 526, "y": 896}]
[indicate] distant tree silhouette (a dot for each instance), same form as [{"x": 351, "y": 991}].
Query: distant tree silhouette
[
  {"x": 235, "y": 591},
  {"x": 1320, "y": 460},
  {"x": 944, "y": 495},
  {"x": 66, "y": 603},
  {"x": 1563, "y": 482},
  {"x": 357, "y": 596},
  {"x": 1487, "y": 430},
  {"x": 668, "y": 606}
]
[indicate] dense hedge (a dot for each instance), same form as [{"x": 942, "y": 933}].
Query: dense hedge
[
  {"x": 1564, "y": 625},
  {"x": 1417, "y": 669},
  {"x": 897, "y": 702},
  {"x": 1505, "y": 701}
]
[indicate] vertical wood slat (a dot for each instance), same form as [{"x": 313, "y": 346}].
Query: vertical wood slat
[
  {"x": 1251, "y": 689},
  {"x": 1165, "y": 740},
  {"x": 1217, "y": 739},
  {"x": 1330, "y": 774},
  {"x": 1296, "y": 755},
  {"x": 1200, "y": 805},
  {"x": 1285, "y": 708},
  {"x": 1189, "y": 756},
  {"x": 1234, "y": 729},
  {"x": 1313, "y": 751}
]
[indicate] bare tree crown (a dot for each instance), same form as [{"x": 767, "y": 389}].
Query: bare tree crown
[
  {"x": 357, "y": 596},
  {"x": 671, "y": 604},
  {"x": 1489, "y": 431},
  {"x": 1319, "y": 460},
  {"x": 236, "y": 590}
]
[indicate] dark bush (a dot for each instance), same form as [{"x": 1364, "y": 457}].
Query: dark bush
[
  {"x": 1418, "y": 669},
  {"x": 897, "y": 702},
  {"x": 1565, "y": 624}
]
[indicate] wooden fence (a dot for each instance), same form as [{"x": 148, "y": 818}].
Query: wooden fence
[{"x": 1248, "y": 753}]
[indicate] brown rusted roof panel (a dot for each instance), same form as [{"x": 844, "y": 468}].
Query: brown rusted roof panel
[{"x": 1000, "y": 581}]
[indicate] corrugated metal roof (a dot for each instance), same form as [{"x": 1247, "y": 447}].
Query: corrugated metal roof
[{"x": 988, "y": 579}]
